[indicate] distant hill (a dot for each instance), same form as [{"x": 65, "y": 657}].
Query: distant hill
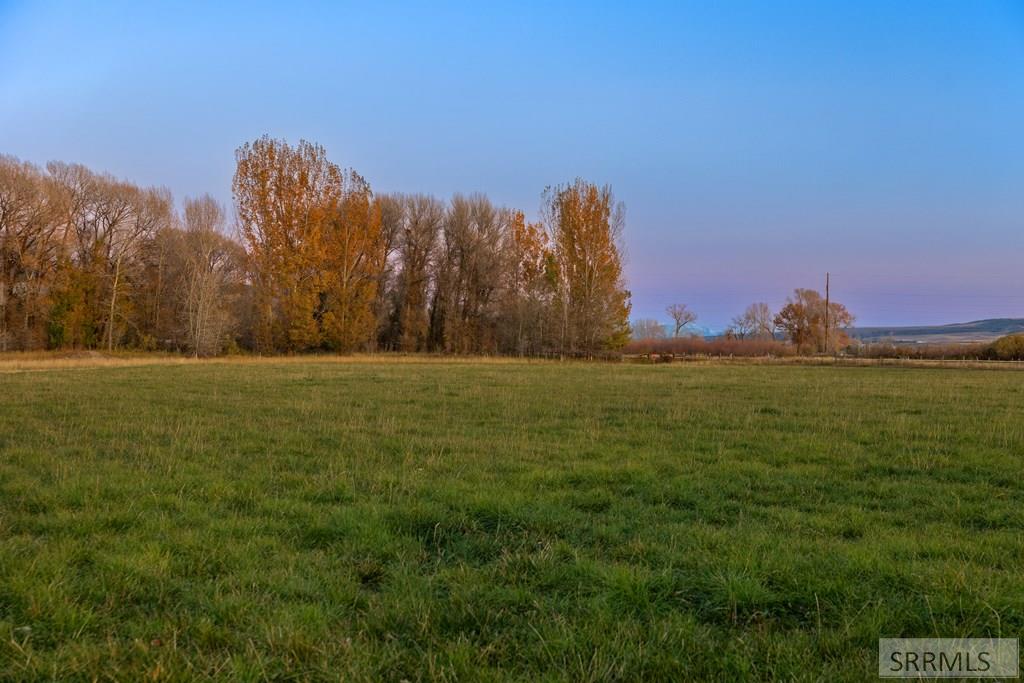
[{"x": 958, "y": 333}]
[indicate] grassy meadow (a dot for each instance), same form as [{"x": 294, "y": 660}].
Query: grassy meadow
[{"x": 324, "y": 520}]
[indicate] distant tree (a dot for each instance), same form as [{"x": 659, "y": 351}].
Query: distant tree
[
  {"x": 593, "y": 305},
  {"x": 1010, "y": 347},
  {"x": 756, "y": 322},
  {"x": 681, "y": 316},
  {"x": 647, "y": 328},
  {"x": 803, "y": 321}
]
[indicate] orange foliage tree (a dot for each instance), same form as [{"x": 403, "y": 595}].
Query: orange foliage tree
[
  {"x": 803, "y": 320},
  {"x": 282, "y": 195},
  {"x": 529, "y": 288},
  {"x": 313, "y": 233},
  {"x": 354, "y": 254},
  {"x": 592, "y": 302}
]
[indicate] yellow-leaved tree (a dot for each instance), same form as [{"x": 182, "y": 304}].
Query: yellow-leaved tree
[
  {"x": 354, "y": 254},
  {"x": 285, "y": 196},
  {"x": 529, "y": 289},
  {"x": 592, "y": 304}
]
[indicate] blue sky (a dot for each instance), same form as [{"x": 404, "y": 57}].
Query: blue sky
[{"x": 755, "y": 145}]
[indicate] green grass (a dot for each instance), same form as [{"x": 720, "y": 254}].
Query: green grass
[{"x": 441, "y": 521}]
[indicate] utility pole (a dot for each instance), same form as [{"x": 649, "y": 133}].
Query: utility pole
[{"x": 826, "y": 311}]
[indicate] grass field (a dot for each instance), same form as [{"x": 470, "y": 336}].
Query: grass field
[{"x": 492, "y": 521}]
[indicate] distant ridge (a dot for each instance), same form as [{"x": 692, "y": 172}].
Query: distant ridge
[{"x": 976, "y": 331}]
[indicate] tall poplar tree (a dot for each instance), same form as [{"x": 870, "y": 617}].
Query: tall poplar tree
[
  {"x": 284, "y": 197},
  {"x": 354, "y": 255},
  {"x": 592, "y": 303}
]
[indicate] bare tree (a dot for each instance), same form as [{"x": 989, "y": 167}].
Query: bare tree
[
  {"x": 149, "y": 210},
  {"x": 212, "y": 263},
  {"x": 392, "y": 220},
  {"x": 109, "y": 222},
  {"x": 423, "y": 218},
  {"x": 681, "y": 316},
  {"x": 756, "y": 322},
  {"x": 472, "y": 256}
]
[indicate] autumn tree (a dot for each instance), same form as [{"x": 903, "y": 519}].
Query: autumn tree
[
  {"x": 1008, "y": 347},
  {"x": 682, "y": 317},
  {"x": 593, "y": 305},
  {"x": 803, "y": 320},
  {"x": 354, "y": 258},
  {"x": 529, "y": 290},
  {"x": 283, "y": 196}
]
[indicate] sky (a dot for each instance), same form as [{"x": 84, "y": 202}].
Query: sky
[{"x": 755, "y": 146}]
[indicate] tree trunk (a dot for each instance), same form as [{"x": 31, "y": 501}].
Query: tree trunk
[{"x": 113, "y": 301}]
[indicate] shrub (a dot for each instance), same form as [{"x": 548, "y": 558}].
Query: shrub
[
  {"x": 966, "y": 351},
  {"x": 699, "y": 346}
]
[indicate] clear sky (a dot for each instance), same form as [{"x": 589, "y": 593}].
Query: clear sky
[{"x": 755, "y": 145}]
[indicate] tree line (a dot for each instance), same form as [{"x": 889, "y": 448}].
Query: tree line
[
  {"x": 314, "y": 260},
  {"x": 808, "y": 321}
]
